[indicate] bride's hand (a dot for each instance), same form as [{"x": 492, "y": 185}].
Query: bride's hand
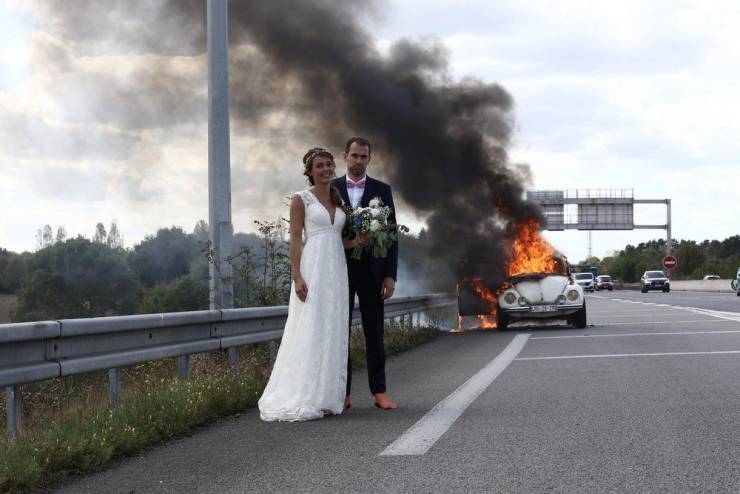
[
  {"x": 301, "y": 289},
  {"x": 360, "y": 240}
]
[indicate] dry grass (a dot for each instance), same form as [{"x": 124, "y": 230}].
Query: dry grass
[{"x": 6, "y": 302}]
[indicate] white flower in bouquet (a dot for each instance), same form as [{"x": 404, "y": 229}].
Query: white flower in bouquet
[{"x": 372, "y": 222}]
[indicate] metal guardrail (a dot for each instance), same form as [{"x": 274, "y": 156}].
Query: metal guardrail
[{"x": 36, "y": 351}]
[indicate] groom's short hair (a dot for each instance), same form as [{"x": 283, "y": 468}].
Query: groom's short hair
[{"x": 359, "y": 140}]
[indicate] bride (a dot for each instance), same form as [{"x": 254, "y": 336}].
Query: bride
[{"x": 309, "y": 378}]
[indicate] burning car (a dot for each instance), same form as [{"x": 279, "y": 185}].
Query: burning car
[
  {"x": 546, "y": 295},
  {"x": 535, "y": 285}
]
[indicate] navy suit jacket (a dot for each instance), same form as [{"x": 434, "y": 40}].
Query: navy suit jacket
[{"x": 382, "y": 267}]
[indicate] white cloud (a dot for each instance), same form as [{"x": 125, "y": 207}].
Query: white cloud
[{"x": 637, "y": 95}]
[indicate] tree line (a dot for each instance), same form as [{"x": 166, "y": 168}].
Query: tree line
[
  {"x": 167, "y": 271},
  {"x": 695, "y": 259}
]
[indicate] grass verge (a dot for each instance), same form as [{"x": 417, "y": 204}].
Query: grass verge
[{"x": 70, "y": 429}]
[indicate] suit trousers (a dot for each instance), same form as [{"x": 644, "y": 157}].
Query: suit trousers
[{"x": 363, "y": 283}]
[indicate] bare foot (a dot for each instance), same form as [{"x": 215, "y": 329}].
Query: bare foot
[
  {"x": 382, "y": 401},
  {"x": 347, "y": 403}
]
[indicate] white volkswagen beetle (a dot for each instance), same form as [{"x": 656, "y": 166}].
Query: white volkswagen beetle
[{"x": 537, "y": 296}]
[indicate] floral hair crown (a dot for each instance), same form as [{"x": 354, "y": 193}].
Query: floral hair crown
[{"x": 313, "y": 152}]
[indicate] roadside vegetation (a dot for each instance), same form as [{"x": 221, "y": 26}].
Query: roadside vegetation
[
  {"x": 69, "y": 428},
  {"x": 166, "y": 272},
  {"x": 695, "y": 259},
  {"x": 68, "y": 425}
]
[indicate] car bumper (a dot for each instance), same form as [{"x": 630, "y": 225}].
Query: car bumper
[
  {"x": 526, "y": 312},
  {"x": 656, "y": 286}
]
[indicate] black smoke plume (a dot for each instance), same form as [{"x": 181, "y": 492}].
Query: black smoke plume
[{"x": 443, "y": 142}]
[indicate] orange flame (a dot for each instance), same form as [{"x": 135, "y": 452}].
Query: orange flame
[
  {"x": 532, "y": 253},
  {"x": 487, "y": 321}
]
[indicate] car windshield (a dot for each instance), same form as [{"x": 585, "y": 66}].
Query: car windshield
[
  {"x": 604, "y": 278},
  {"x": 584, "y": 276},
  {"x": 654, "y": 274}
]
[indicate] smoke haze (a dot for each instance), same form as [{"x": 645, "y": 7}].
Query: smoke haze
[{"x": 313, "y": 66}]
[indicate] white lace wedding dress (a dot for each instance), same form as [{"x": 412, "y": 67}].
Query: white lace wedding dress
[{"x": 310, "y": 373}]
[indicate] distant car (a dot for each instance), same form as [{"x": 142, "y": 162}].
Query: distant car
[
  {"x": 604, "y": 282},
  {"x": 585, "y": 280},
  {"x": 711, "y": 277},
  {"x": 537, "y": 296},
  {"x": 736, "y": 283},
  {"x": 654, "y": 280}
]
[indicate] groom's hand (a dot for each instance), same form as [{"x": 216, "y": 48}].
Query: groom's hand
[{"x": 386, "y": 291}]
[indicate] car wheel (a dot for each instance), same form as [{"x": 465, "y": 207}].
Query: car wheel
[
  {"x": 610, "y": 289},
  {"x": 579, "y": 318},
  {"x": 502, "y": 321},
  {"x": 666, "y": 290},
  {"x": 643, "y": 290}
]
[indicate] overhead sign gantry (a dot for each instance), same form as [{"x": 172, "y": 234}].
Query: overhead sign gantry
[{"x": 595, "y": 209}]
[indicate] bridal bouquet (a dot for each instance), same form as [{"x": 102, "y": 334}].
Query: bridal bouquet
[{"x": 372, "y": 222}]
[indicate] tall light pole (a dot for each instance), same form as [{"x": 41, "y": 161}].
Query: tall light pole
[{"x": 219, "y": 168}]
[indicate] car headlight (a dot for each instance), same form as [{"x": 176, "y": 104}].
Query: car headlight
[
  {"x": 572, "y": 295},
  {"x": 523, "y": 301},
  {"x": 509, "y": 298},
  {"x": 561, "y": 299}
]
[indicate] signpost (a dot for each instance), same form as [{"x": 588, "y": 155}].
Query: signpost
[{"x": 670, "y": 262}]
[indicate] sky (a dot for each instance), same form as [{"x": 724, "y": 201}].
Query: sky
[{"x": 635, "y": 95}]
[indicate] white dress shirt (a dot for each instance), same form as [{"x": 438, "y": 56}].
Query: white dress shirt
[{"x": 355, "y": 193}]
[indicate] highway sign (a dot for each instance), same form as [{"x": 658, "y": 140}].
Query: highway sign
[{"x": 670, "y": 262}]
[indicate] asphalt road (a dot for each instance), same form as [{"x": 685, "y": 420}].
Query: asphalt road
[{"x": 646, "y": 399}]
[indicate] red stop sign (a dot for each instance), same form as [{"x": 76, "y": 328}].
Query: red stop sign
[{"x": 670, "y": 262}]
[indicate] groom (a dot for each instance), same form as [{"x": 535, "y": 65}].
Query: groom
[{"x": 372, "y": 279}]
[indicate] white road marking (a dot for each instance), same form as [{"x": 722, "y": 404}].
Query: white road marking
[
  {"x": 592, "y": 312},
  {"x": 617, "y": 335},
  {"x": 703, "y": 321},
  {"x": 730, "y": 316},
  {"x": 423, "y": 434},
  {"x": 632, "y": 315},
  {"x": 611, "y": 355}
]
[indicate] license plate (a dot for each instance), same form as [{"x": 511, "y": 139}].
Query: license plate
[{"x": 543, "y": 308}]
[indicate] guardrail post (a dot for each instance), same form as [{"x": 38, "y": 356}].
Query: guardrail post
[
  {"x": 234, "y": 358},
  {"x": 114, "y": 381},
  {"x": 402, "y": 321},
  {"x": 12, "y": 409},
  {"x": 183, "y": 366}
]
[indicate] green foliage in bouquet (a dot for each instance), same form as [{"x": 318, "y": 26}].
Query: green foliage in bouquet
[{"x": 372, "y": 222}]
